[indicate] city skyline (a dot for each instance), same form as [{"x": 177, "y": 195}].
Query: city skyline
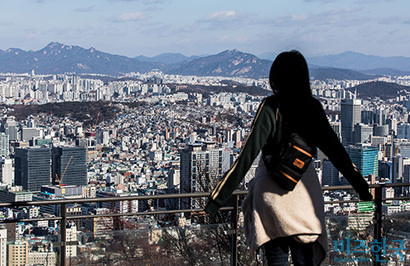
[{"x": 153, "y": 27}]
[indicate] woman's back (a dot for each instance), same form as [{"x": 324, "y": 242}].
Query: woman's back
[{"x": 289, "y": 79}]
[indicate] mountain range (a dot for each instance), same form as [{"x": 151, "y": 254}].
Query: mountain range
[
  {"x": 57, "y": 58},
  {"x": 363, "y": 63},
  {"x": 168, "y": 58}
]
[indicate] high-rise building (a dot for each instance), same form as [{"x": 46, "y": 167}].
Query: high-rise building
[
  {"x": 31, "y": 122},
  {"x": 381, "y": 131},
  {"x": 400, "y": 169},
  {"x": 350, "y": 115},
  {"x": 392, "y": 123},
  {"x": 28, "y": 133},
  {"x": 362, "y": 133},
  {"x": 330, "y": 174},
  {"x": 3, "y": 246},
  {"x": 202, "y": 165},
  {"x": 406, "y": 174},
  {"x": 173, "y": 178},
  {"x": 336, "y": 126},
  {"x": 385, "y": 169},
  {"x": 380, "y": 117},
  {"x": 368, "y": 117},
  {"x": 403, "y": 131},
  {"x": 18, "y": 253},
  {"x": 10, "y": 127},
  {"x": 71, "y": 236},
  {"x": 32, "y": 168},
  {"x": 397, "y": 169},
  {"x": 99, "y": 224},
  {"x": 4, "y": 145},
  {"x": 390, "y": 150},
  {"x": 69, "y": 166},
  {"x": 406, "y": 178},
  {"x": 7, "y": 171},
  {"x": 102, "y": 137},
  {"x": 365, "y": 158}
]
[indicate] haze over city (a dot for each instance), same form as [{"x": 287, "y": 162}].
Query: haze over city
[{"x": 152, "y": 27}]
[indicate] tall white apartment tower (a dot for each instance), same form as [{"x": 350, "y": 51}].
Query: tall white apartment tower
[
  {"x": 6, "y": 171},
  {"x": 3, "y": 246}
]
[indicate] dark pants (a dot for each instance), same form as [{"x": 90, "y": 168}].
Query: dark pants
[{"x": 277, "y": 251}]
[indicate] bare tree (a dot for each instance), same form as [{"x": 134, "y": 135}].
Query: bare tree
[{"x": 210, "y": 243}]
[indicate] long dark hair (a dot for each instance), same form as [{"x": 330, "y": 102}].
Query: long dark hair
[
  {"x": 289, "y": 79},
  {"x": 289, "y": 76}
]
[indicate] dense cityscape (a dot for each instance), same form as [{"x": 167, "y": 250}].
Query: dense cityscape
[{"x": 156, "y": 135}]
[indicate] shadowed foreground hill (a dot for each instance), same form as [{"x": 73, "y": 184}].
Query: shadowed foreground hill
[
  {"x": 323, "y": 73},
  {"x": 381, "y": 89},
  {"x": 86, "y": 112}
]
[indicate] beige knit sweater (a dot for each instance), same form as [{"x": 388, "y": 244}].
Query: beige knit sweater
[{"x": 271, "y": 212}]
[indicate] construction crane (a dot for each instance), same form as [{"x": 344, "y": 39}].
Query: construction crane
[
  {"x": 93, "y": 126},
  {"x": 60, "y": 180},
  {"x": 96, "y": 120}
]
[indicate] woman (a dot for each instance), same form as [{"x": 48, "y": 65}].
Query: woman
[{"x": 274, "y": 217}]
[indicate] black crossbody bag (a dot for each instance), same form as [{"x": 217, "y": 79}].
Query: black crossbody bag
[{"x": 290, "y": 159}]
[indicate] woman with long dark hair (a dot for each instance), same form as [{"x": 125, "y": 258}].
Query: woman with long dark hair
[{"x": 274, "y": 217}]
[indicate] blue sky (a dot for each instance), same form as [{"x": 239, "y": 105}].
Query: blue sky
[{"x": 193, "y": 27}]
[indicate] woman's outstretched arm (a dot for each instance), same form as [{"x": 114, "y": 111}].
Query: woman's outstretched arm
[
  {"x": 329, "y": 143},
  {"x": 262, "y": 127}
]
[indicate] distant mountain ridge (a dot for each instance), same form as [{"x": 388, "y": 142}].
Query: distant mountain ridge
[
  {"x": 362, "y": 62},
  {"x": 57, "y": 58},
  {"x": 228, "y": 63},
  {"x": 167, "y": 58}
]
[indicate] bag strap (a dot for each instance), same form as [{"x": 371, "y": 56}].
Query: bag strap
[{"x": 275, "y": 141}]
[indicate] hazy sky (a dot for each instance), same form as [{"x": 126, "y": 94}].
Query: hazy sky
[{"x": 197, "y": 27}]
